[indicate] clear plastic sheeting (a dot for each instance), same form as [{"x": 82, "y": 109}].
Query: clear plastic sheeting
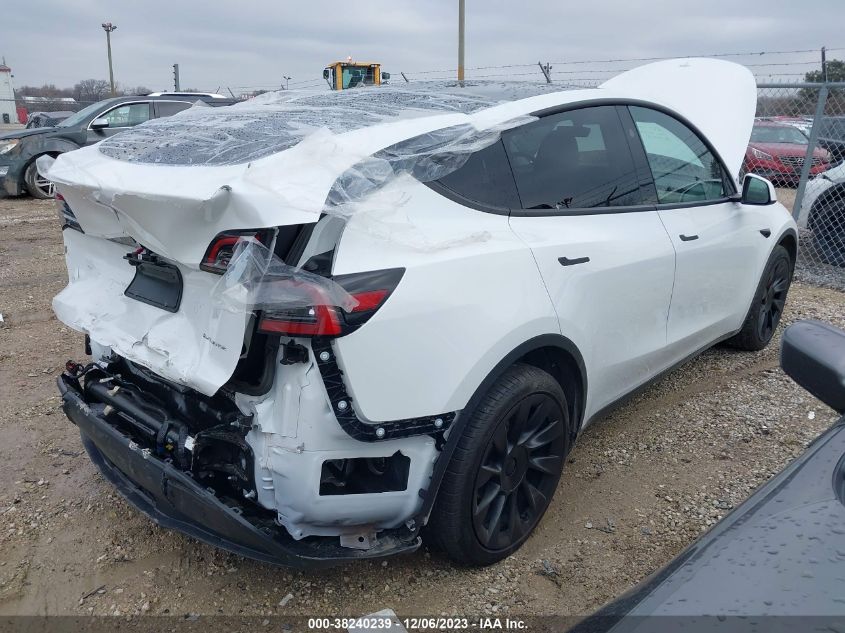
[
  {"x": 277, "y": 121},
  {"x": 256, "y": 279},
  {"x": 426, "y": 157}
]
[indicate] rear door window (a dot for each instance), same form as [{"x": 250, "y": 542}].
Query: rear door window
[{"x": 579, "y": 159}]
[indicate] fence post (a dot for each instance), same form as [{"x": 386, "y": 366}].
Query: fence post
[{"x": 811, "y": 148}]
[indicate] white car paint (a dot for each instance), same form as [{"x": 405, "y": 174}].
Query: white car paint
[
  {"x": 816, "y": 187},
  {"x": 476, "y": 285}
]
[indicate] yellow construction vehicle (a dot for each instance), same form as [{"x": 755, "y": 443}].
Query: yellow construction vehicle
[{"x": 349, "y": 74}]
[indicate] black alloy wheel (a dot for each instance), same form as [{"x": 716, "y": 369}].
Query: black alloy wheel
[
  {"x": 768, "y": 304},
  {"x": 519, "y": 472},
  {"x": 505, "y": 467},
  {"x": 773, "y": 299}
]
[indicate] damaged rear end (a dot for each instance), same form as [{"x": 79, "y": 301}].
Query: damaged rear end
[{"x": 213, "y": 399}]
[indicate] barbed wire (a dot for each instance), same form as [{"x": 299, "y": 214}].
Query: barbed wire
[{"x": 646, "y": 59}]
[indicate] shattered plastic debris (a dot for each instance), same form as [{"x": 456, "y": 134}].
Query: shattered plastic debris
[{"x": 256, "y": 279}]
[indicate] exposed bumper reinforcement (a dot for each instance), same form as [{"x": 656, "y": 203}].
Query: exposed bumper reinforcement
[{"x": 174, "y": 500}]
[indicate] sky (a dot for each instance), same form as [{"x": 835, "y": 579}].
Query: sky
[{"x": 251, "y": 44}]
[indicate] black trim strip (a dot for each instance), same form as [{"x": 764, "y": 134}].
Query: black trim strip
[
  {"x": 345, "y": 412},
  {"x": 452, "y": 195}
]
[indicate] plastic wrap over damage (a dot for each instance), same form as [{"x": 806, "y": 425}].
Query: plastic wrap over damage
[
  {"x": 173, "y": 185},
  {"x": 257, "y": 279},
  {"x": 275, "y": 160},
  {"x": 273, "y": 122}
]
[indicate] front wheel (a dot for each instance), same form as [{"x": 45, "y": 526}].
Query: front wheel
[
  {"x": 768, "y": 304},
  {"x": 505, "y": 468},
  {"x": 37, "y": 185}
]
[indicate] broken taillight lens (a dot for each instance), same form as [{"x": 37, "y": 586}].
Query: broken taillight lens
[
  {"x": 370, "y": 290},
  {"x": 219, "y": 252}
]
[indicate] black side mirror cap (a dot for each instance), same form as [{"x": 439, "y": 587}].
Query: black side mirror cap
[{"x": 812, "y": 353}]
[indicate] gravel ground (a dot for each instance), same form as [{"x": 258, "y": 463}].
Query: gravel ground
[{"x": 638, "y": 487}]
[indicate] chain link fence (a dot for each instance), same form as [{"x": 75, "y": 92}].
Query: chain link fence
[{"x": 798, "y": 143}]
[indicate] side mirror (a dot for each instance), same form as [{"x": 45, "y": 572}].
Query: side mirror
[
  {"x": 385, "y": 76},
  {"x": 757, "y": 190},
  {"x": 100, "y": 123},
  {"x": 812, "y": 353},
  {"x": 325, "y": 73}
]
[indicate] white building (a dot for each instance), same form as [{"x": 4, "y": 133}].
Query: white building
[{"x": 8, "y": 112}]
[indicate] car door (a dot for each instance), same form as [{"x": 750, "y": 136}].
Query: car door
[
  {"x": 587, "y": 214},
  {"x": 721, "y": 245},
  {"x": 120, "y": 117}
]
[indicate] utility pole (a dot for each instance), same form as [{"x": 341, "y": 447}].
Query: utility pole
[
  {"x": 824, "y": 64},
  {"x": 176, "y": 77},
  {"x": 287, "y": 79},
  {"x": 461, "y": 20},
  {"x": 108, "y": 27}
]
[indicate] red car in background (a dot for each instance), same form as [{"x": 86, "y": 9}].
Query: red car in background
[{"x": 777, "y": 151}]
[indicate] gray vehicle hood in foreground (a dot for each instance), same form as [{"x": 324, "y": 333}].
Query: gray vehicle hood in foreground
[{"x": 781, "y": 553}]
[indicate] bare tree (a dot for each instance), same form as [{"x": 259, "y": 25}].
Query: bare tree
[
  {"x": 47, "y": 90},
  {"x": 91, "y": 90}
]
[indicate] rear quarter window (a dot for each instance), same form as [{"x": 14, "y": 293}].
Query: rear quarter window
[{"x": 485, "y": 178}]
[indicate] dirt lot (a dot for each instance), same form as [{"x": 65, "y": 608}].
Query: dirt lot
[{"x": 638, "y": 487}]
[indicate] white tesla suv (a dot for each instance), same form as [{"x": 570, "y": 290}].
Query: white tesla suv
[{"x": 320, "y": 323}]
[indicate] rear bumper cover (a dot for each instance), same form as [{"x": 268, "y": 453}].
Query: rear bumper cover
[{"x": 174, "y": 500}]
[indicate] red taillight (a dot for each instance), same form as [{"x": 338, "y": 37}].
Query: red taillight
[
  {"x": 219, "y": 252},
  {"x": 322, "y": 319},
  {"x": 369, "y": 300},
  {"x": 310, "y": 321}
]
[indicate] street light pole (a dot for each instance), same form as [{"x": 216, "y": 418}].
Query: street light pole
[
  {"x": 108, "y": 27},
  {"x": 461, "y": 13},
  {"x": 287, "y": 79}
]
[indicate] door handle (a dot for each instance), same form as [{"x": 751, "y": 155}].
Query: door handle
[
  {"x": 688, "y": 238},
  {"x": 565, "y": 261}
]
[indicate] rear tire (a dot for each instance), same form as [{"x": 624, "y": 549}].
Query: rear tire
[
  {"x": 505, "y": 468},
  {"x": 768, "y": 304},
  {"x": 38, "y": 186}
]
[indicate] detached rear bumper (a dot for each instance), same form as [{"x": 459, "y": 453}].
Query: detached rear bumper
[{"x": 174, "y": 500}]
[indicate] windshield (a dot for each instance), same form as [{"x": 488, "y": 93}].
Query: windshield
[
  {"x": 80, "y": 116},
  {"x": 778, "y": 134}
]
